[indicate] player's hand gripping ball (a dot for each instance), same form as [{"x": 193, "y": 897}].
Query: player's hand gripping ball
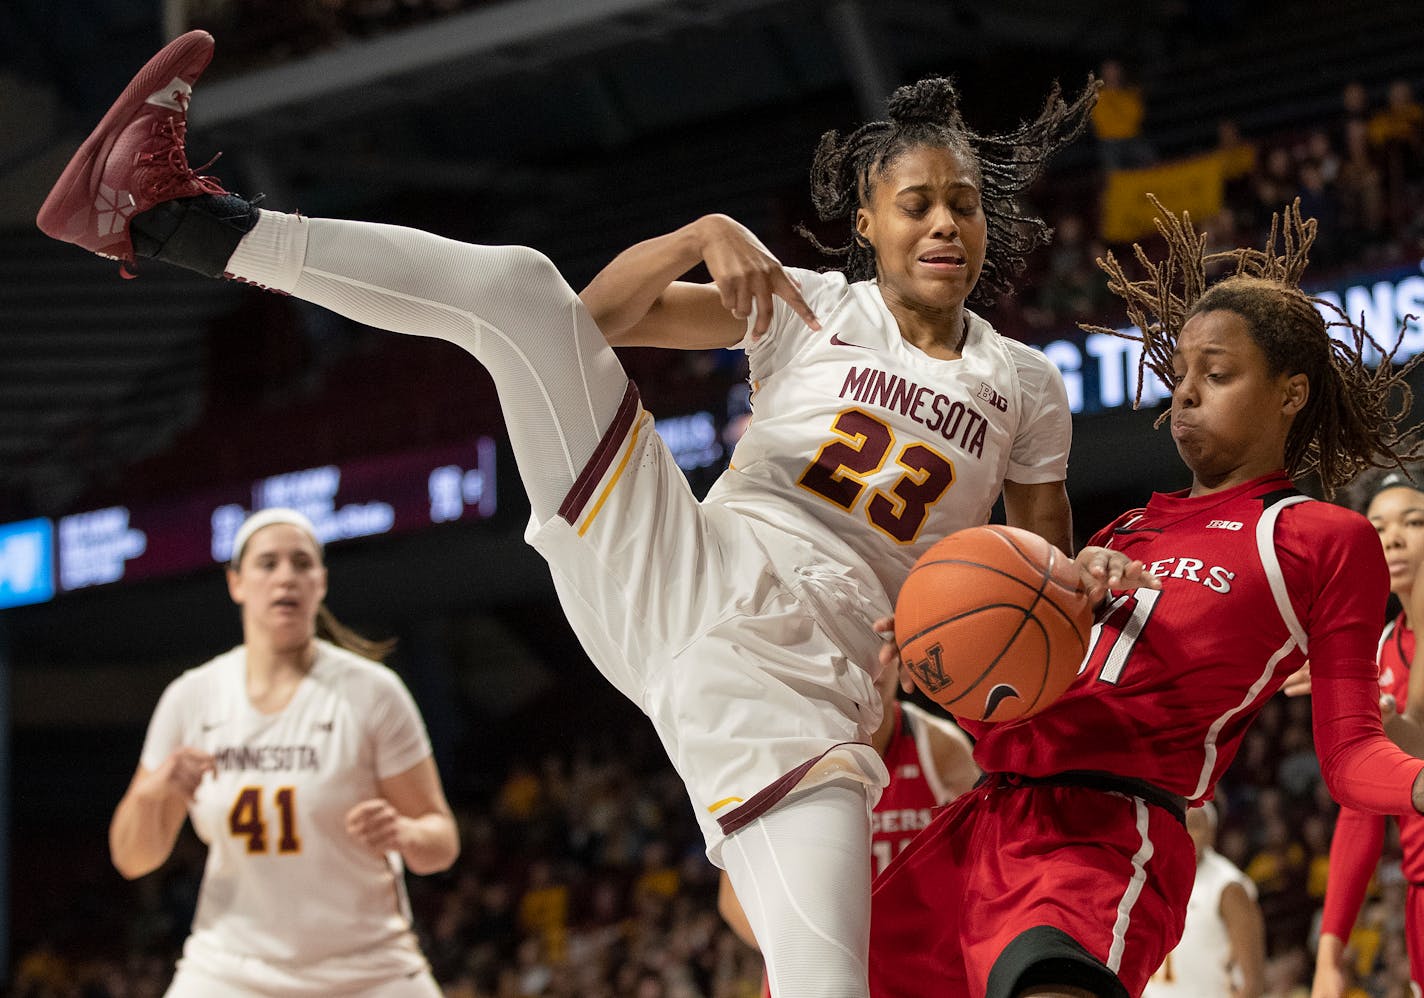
[{"x": 993, "y": 623}]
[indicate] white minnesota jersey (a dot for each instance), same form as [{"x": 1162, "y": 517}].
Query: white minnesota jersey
[
  {"x": 1200, "y": 966},
  {"x": 290, "y": 903},
  {"x": 868, "y": 450}
]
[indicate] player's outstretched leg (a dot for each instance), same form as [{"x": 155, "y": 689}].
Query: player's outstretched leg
[
  {"x": 129, "y": 192},
  {"x": 802, "y": 874}
]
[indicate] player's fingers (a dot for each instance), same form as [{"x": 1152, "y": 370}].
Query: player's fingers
[
  {"x": 907, "y": 679},
  {"x": 885, "y": 627},
  {"x": 1099, "y": 564},
  {"x": 1298, "y": 682},
  {"x": 1097, "y": 592},
  {"x": 360, "y": 814},
  {"x": 790, "y": 292},
  {"x": 764, "y": 311},
  {"x": 742, "y": 290}
]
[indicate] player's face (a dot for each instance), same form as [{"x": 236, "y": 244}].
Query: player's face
[
  {"x": 279, "y": 584},
  {"x": 1398, "y": 515},
  {"x": 1230, "y": 414},
  {"x": 925, "y": 220}
]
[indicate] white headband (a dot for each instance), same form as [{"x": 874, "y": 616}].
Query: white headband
[{"x": 266, "y": 518}]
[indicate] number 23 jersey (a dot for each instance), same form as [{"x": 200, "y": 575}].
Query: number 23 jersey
[
  {"x": 866, "y": 450},
  {"x": 284, "y": 882}
]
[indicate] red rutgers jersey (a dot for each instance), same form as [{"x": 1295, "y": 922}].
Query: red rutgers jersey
[
  {"x": 1395, "y": 654},
  {"x": 915, "y": 790},
  {"x": 1173, "y": 677},
  {"x": 1359, "y": 837}
]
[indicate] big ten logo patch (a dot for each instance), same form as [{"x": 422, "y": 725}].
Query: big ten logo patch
[{"x": 988, "y": 394}]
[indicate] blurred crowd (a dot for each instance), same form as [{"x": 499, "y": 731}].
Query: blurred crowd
[{"x": 1359, "y": 172}]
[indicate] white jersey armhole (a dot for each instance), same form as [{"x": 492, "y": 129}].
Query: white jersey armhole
[{"x": 1266, "y": 546}]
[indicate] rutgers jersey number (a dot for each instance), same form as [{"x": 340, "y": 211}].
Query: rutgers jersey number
[
  {"x": 245, "y": 820},
  {"x": 862, "y": 445},
  {"x": 1128, "y": 614}
]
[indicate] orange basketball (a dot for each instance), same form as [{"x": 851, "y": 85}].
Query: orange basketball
[{"x": 993, "y": 623}]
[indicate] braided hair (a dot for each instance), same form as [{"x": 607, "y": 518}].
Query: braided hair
[
  {"x": 1352, "y": 418},
  {"x": 845, "y": 168}
]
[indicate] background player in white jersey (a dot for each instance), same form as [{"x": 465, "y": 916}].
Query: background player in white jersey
[
  {"x": 1222, "y": 952},
  {"x": 306, "y": 770},
  {"x": 742, "y": 625}
]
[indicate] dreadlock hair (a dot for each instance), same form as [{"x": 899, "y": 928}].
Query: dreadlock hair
[
  {"x": 844, "y": 171},
  {"x": 1351, "y": 420}
]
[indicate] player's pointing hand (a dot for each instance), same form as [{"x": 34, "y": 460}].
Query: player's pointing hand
[{"x": 747, "y": 274}]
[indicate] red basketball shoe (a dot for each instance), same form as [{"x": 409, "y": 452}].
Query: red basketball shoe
[{"x": 135, "y": 158}]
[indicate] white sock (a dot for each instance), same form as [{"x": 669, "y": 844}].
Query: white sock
[{"x": 802, "y": 874}]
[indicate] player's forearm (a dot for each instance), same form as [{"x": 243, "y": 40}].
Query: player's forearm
[
  {"x": 627, "y": 289},
  {"x": 1042, "y": 508},
  {"x": 1329, "y": 952},
  {"x": 1252, "y": 972},
  {"x": 429, "y": 843},
  {"x": 142, "y": 834},
  {"x": 1362, "y": 768}
]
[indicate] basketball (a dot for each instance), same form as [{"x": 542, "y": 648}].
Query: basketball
[{"x": 993, "y": 623}]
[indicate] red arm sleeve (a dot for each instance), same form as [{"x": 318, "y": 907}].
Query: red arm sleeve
[
  {"x": 1332, "y": 561},
  {"x": 1354, "y": 853}
]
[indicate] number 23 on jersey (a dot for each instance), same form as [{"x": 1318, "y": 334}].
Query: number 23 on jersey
[{"x": 860, "y": 448}]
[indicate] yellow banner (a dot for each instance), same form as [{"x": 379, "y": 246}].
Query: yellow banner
[{"x": 1193, "y": 185}]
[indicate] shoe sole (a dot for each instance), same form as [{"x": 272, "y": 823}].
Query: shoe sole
[{"x": 68, "y": 211}]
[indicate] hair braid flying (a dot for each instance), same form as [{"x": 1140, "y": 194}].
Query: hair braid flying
[
  {"x": 1354, "y": 415},
  {"x": 845, "y": 169}
]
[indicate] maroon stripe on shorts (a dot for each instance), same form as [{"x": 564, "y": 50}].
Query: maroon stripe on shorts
[
  {"x": 603, "y": 456},
  {"x": 769, "y": 796}
]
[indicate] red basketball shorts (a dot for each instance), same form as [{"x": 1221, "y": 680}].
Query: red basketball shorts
[{"x": 1013, "y": 885}]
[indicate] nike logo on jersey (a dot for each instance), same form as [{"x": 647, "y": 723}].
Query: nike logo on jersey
[
  {"x": 324, "y": 725},
  {"x": 837, "y": 341},
  {"x": 1129, "y": 526},
  {"x": 210, "y": 725}
]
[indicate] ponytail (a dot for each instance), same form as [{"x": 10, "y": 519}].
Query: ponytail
[{"x": 333, "y": 630}]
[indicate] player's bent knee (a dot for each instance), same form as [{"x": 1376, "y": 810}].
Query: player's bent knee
[
  {"x": 531, "y": 272},
  {"x": 1045, "y": 962}
]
